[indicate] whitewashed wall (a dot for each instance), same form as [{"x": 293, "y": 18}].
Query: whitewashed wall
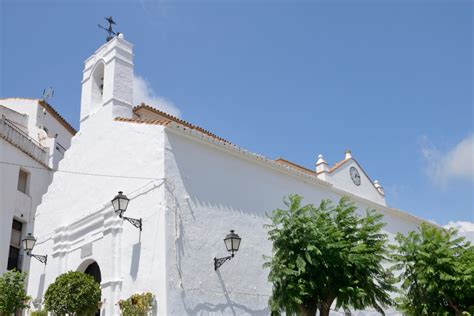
[
  {"x": 59, "y": 137},
  {"x": 37, "y": 118},
  {"x": 75, "y": 224},
  {"x": 27, "y": 116},
  {"x": 16, "y": 204},
  {"x": 208, "y": 191},
  {"x": 216, "y": 190}
]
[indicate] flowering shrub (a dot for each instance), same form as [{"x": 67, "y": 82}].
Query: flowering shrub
[{"x": 137, "y": 304}]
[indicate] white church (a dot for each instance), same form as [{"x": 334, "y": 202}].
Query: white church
[{"x": 187, "y": 188}]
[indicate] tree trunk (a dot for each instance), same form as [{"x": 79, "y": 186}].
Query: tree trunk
[
  {"x": 308, "y": 309},
  {"x": 325, "y": 306},
  {"x": 456, "y": 310},
  {"x": 324, "y": 309}
]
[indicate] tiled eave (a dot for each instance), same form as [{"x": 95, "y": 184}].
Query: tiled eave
[
  {"x": 58, "y": 117},
  {"x": 172, "y": 118}
]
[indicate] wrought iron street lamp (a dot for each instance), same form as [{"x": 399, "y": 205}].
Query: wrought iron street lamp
[
  {"x": 120, "y": 204},
  {"x": 28, "y": 245},
  {"x": 232, "y": 243}
]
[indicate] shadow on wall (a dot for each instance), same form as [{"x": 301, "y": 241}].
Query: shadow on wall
[
  {"x": 154, "y": 312},
  {"x": 136, "y": 251},
  {"x": 227, "y": 308},
  {"x": 38, "y": 300}
]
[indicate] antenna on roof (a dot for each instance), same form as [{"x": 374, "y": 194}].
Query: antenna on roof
[
  {"x": 48, "y": 93},
  {"x": 109, "y": 29}
]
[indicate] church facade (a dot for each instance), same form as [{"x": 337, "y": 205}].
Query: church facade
[{"x": 189, "y": 187}]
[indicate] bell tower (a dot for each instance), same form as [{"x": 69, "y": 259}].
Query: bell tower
[{"x": 107, "y": 83}]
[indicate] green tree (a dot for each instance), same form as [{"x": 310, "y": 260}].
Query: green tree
[
  {"x": 73, "y": 293},
  {"x": 325, "y": 254},
  {"x": 437, "y": 272},
  {"x": 12, "y": 292}
]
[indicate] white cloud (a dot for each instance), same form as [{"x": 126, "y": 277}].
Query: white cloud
[
  {"x": 465, "y": 229},
  {"x": 457, "y": 162},
  {"x": 143, "y": 93}
]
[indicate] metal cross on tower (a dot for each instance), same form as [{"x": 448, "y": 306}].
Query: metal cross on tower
[{"x": 109, "y": 29}]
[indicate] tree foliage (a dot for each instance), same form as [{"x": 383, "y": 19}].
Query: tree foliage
[
  {"x": 73, "y": 293},
  {"x": 437, "y": 272},
  {"x": 325, "y": 254},
  {"x": 137, "y": 304},
  {"x": 12, "y": 292}
]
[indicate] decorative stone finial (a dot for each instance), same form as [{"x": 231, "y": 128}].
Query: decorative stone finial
[
  {"x": 321, "y": 165},
  {"x": 379, "y": 187},
  {"x": 348, "y": 154},
  {"x": 320, "y": 160}
]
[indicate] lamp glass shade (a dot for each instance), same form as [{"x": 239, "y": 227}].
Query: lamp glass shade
[
  {"x": 29, "y": 243},
  {"x": 232, "y": 241},
  {"x": 120, "y": 203}
]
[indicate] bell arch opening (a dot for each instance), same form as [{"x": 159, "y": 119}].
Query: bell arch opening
[{"x": 98, "y": 84}]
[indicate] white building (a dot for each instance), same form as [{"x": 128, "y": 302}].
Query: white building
[
  {"x": 33, "y": 139},
  {"x": 189, "y": 186}
]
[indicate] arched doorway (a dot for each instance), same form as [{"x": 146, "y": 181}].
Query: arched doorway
[{"x": 93, "y": 270}]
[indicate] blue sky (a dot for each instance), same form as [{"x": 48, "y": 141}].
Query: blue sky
[{"x": 391, "y": 80}]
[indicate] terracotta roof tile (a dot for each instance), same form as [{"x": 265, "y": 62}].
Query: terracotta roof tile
[
  {"x": 337, "y": 165},
  {"x": 58, "y": 116},
  {"x": 163, "y": 122},
  {"x": 176, "y": 120},
  {"x": 294, "y": 165}
]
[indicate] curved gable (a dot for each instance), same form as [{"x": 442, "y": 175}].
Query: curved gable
[{"x": 340, "y": 177}]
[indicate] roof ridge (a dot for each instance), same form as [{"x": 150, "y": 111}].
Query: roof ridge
[
  {"x": 293, "y": 164},
  {"x": 143, "y": 121},
  {"x": 21, "y": 98},
  {"x": 51, "y": 109},
  {"x": 339, "y": 164},
  {"x": 178, "y": 120},
  {"x": 48, "y": 106}
]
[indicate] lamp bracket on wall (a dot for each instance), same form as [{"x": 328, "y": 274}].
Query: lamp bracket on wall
[
  {"x": 137, "y": 222},
  {"x": 40, "y": 258},
  {"x": 220, "y": 261}
]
